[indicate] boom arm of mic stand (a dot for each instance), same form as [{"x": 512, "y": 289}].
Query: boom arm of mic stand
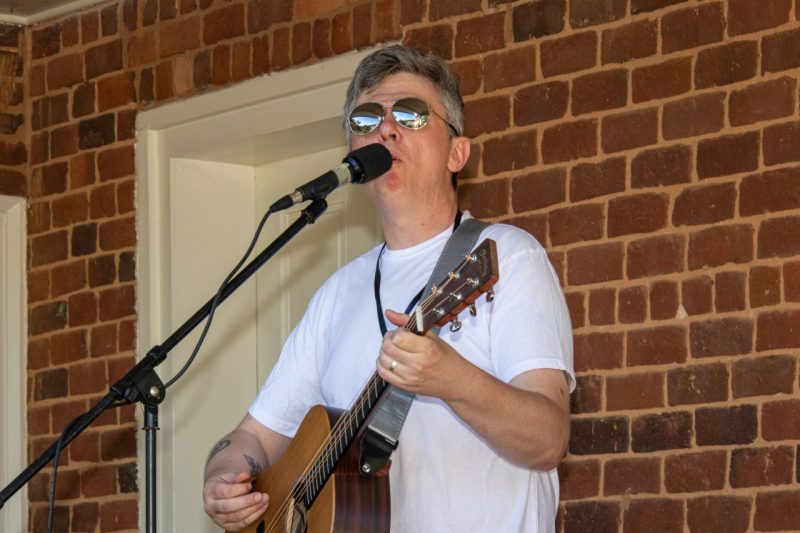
[{"x": 140, "y": 383}]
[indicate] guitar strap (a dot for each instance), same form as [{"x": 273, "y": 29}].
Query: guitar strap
[{"x": 381, "y": 436}]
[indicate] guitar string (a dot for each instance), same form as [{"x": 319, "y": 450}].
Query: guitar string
[{"x": 343, "y": 425}]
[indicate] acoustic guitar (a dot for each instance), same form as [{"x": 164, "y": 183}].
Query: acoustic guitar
[{"x": 317, "y": 485}]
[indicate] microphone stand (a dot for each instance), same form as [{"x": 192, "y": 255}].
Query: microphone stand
[{"x": 141, "y": 383}]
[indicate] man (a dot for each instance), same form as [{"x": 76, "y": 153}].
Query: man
[{"x": 490, "y": 423}]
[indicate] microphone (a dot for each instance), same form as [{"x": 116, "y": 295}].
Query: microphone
[{"x": 360, "y": 166}]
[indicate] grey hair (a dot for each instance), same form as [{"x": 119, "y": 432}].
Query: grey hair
[{"x": 397, "y": 58}]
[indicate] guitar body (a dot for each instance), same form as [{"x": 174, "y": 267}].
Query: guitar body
[{"x": 348, "y": 503}]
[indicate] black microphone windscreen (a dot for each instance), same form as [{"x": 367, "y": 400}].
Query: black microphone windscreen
[{"x": 369, "y": 162}]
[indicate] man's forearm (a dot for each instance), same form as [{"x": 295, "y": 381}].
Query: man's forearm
[{"x": 239, "y": 451}]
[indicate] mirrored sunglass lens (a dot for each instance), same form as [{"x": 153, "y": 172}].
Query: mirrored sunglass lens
[
  {"x": 363, "y": 122},
  {"x": 411, "y": 113}
]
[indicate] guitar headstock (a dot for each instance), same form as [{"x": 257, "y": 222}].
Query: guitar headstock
[{"x": 473, "y": 276}]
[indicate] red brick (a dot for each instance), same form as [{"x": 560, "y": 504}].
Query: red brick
[
  {"x": 663, "y": 431},
  {"x": 595, "y": 351},
  {"x": 663, "y": 300},
  {"x": 127, "y": 333},
  {"x": 695, "y": 472},
  {"x": 103, "y": 58},
  {"x": 584, "y": 13},
  {"x": 125, "y": 196},
  {"x": 729, "y": 291},
  {"x": 46, "y": 41},
  {"x": 116, "y": 234},
  {"x": 64, "y": 71},
  {"x": 781, "y": 143},
  {"x": 102, "y": 202},
  {"x": 90, "y": 26},
  {"x": 576, "y": 308},
  {"x": 142, "y": 48},
  {"x": 662, "y": 166},
  {"x": 641, "y": 6},
  {"x": 634, "y": 391},
  {"x": 569, "y": 54},
  {"x": 538, "y": 189},
  {"x": 598, "y": 436},
  {"x": 757, "y": 467},
  {"x": 537, "y": 19},
  {"x": 47, "y": 111},
  {"x": 747, "y": 16},
  {"x": 602, "y": 306},
  {"x": 588, "y": 395},
  {"x": 49, "y": 248},
  {"x": 38, "y": 217},
  {"x": 126, "y": 124},
  {"x": 510, "y": 152},
  {"x": 791, "y": 281},
  {"x": 579, "y": 479},
  {"x": 88, "y": 377},
  {"x": 109, "y": 20},
  {"x": 631, "y": 41},
  {"x": 590, "y": 180},
  {"x": 470, "y": 75},
  {"x": 632, "y": 305},
  {"x": 632, "y": 476},
  {"x": 721, "y": 245},
  {"x": 780, "y": 51},
  {"x": 117, "y": 303},
  {"x": 594, "y": 264},
  {"x": 85, "y": 516},
  {"x": 763, "y": 101},
  {"x": 486, "y": 115},
  {"x": 38, "y": 286},
  {"x": 655, "y": 256},
  {"x": 53, "y": 383},
  {"x": 67, "y": 278},
  {"x": 68, "y": 347},
  {"x": 82, "y": 309},
  {"x": 84, "y": 240},
  {"x": 599, "y": 91},
  {"x": 437, "y": 39},
  {"x": 221, "y": 64},
  {"x": 38, "y": 353},
  {"x": 70, "y": 209},
  {"x": 765, "y": 286},
  {"x": 179, "y": 37},
  {"x": 779, "y": 237},
  {"x": 726, "y": 425},
  {"x": 781, "y": 420},
  {"x": 662, "y": 80},
  {"x": 96, "y": 132},
  {"x": 628, "y": 130},
  {"x": 777, "y": 511},
  {"x": 592, "y": 516},
  {"x": 569, "y": 140},
  {"x": 641, "y": 213},
  {"x": 261, "y": 14},
  {"x": 485, "y": 199},
  {"x": 103, "y": 340},
  {"x": 83, "y": 100},
  {"x": 411, "y": 11},
  {"x": 509, "y": 68},
  {"x": 576, "y": 224},
  {"x": 540, "y": 103},
  {"x": 102, "y": 270},
  {"x": 439, "y": 9},
  {"x": 725, "y": 64},
  {"x": 655, "y": 346},
  {"x": 480, "y": 34},
  {"x": 301, "y": 46},
  {"x": 341, "y": 40},
  {"x": 719, "y": 513},
  {"x": 224, "y": 23},
  {"x": 704, "y": 204},
  {"x": 698, "y": 384},
  {"x": 64, "y": 141},
  {"x": 689, "y": 28},
  {"x": 726, "y": 336},
  {"x": 763, "y": 376},
  {"x": 778, "y": 330},
  {"x": 98, "y": 481}
]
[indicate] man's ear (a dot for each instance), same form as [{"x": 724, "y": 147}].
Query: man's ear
[{"x": 459, "y": 153}]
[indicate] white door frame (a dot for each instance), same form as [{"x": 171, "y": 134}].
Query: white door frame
[
  {"x": 13, "y": 324},
  {"x": 274, "y": 108}
]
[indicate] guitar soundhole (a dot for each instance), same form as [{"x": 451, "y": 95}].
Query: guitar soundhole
[{"x": 262, "y": 527}]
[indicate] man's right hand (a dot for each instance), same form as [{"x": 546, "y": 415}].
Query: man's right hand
[{"x": 229, "y": 502}]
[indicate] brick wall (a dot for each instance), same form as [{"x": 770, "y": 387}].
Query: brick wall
[{"x": 653, "y": 146}]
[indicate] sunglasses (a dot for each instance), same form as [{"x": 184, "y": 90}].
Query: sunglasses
[{"x": 410, "y": 113}]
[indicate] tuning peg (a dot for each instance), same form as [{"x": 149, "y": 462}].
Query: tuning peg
[
  {"x": 490, "y": 295},
  {"x": 455, "y": 325},
  {"x": 473, "y": 311}
]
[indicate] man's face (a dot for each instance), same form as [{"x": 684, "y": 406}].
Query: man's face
[{"x": 422, "y": 160}]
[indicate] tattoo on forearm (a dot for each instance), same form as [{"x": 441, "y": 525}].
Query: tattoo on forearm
[
  {"x": 255, "y": 468},
  {"x": 218, "y": 447}
]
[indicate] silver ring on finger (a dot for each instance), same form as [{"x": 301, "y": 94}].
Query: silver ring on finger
[{"x": 393, "y": 365}]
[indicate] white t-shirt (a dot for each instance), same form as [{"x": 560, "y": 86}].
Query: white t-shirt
[{"x": 443, "y": 477}]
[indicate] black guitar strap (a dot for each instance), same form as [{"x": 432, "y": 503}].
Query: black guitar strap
[{"x": 381, "y": 437}]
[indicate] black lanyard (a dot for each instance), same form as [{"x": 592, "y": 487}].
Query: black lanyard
[{"x": 415, "y": 299}]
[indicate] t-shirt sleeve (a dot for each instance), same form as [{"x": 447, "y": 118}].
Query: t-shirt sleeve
[{"x": 530, "y": 325}]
